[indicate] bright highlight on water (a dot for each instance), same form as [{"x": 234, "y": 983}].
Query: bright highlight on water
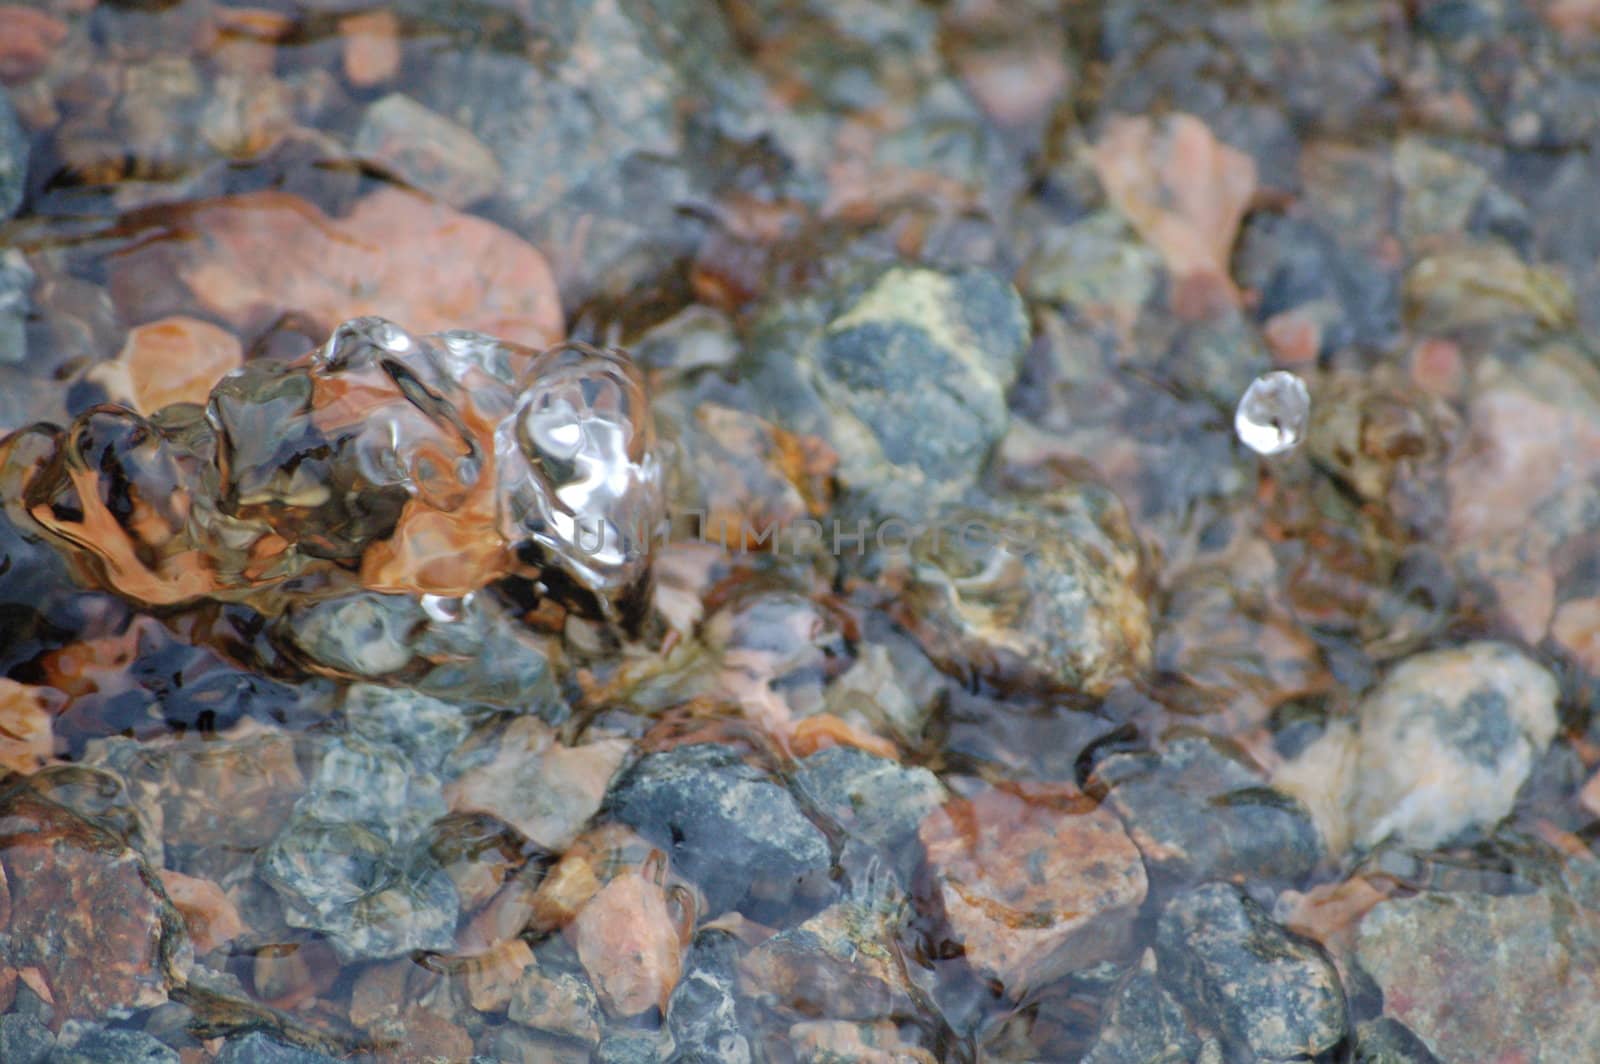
[{"x": 1273, "y": 413}]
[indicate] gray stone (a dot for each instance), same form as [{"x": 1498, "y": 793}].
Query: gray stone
[
  {"x": 562, "y": 1003},
  {"x": 1270, "y": 994},
  {"x": 16, "y": 282},
  {"x": 260, "y": 1048},
  {"x": 371, "y": 899},
  {"x": 1489, "y": 977},
  {"x": 877, "y": 802},
  {"x": 361, "y": 782},
  {"x": 427, "y": 150},
  {"x": 625, "y": 1046},
  {"x": 422, "y": 729},
  {"x": 1198, "y": 810},
  {"x": 24, "y": 1039},
  {"x": 703, "y": 1013},
  {"x": 99, "y": 1045},
  {"x": 736, "y": 834},
  {"x": 13, "y": 158},
  {"x": 1142, "y": 1024},
  {"x": 899, "y": 351},
  {"x": 482, "y": 656},
  {"x": 1386, "y": 1040},
  {"x": 842, "y": 963}
]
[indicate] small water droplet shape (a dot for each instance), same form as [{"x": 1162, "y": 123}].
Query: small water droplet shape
[{"x": 1273, "y": 413}]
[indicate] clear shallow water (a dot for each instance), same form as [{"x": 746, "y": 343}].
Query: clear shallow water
[{"x": 1007, "y": 268}]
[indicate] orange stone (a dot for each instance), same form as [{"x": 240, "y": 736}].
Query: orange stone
[
  {"x": 27, "y": 37},
  {"x": 174, "y": 360},
  {"x": 371, "y": 47},
  {"x": 630, "y": 945},
  {"x": 1036, "y": 881},
  {"x": 207, "y": 912}
]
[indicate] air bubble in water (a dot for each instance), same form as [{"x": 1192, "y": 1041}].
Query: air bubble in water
[{"x": 1273, "y": 413}]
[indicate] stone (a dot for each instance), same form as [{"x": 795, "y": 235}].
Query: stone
[
  {"x": 364, "y": 783},
  {"x": 173, "y": 360},
  {"x": 899, "y": 351},
  {"x": 539, "y": 785},
  {"x": 1038, "y": 589},
  {"x": 1440, "y": 747},
  {"x": 877, "y": 802},
  {"x": 424, "y": 731},
  {"x": 258, "y": 1047},
  {"x": 24, "y": 1039},
  {"x": 13, "y": 155},
  {"x": 1142, "y": 1024},
  {"x": 480, "y": 657},
  {"x": 843, "y": 1042},
  {"x": 101, "y": 1045},
  {"x": 562, "y": 1003},
  {"x": 92, "y": 921},
  {"x": 624, "y": 1046},
  {"x": 1034, "y": 883},
  {"x": 1272, "y": 995},
  {"x": 372, "y": 899},
  {"x": 26, "y": 715},
  {"x": 1199, "y": 810},
  {"x": 703, "y": 1014},
  {"x": 1182, "y": 188},
  {"x": 249, "y": 259},
  {"x": 16, "y": 282},
  {"x": 843, "y": 963},
  {"x": 208, "y": 915},
  {"x": 735, "y": 834},
  {"x": 426, "y": 150},
  {"x": 1488, "y": 977},
  {"x": 630, "y": 944},
  {"x": 31, "y": 36},
  {"x": 1386, "y": 1040},
  {"x": 371, "y": 51}
]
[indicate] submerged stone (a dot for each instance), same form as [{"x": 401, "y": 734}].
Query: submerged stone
[
  {"x": 1272, "y": 995},
  {"x": 737, "y": 835}
]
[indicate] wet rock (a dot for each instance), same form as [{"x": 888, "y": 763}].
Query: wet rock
[
  {"x": 26, "y": 713},
  {"x": 1486, "y": 284},
  {"x": 830, "y": 1041},
  {"x": 212, "y": 802},
  {"x": 209, "y": 917},
  {"x": 426, "y": 150},
  {"x": 1270, "y": 994},
  {"x": 92, "y": 920},
  {"x": 13, "y": 158},
  {"x": 703, "y": 1013},
  {"x": 100, "y": 1045},
  {"x": 423, "y": 731},
  {"x": 562, "y": 1003},
  {"x": 1182, "y": 188},
  {"x": 1199, "y": 810},
  {"x": 1033, "y": 884},
  {"x": 1095, "y": 265},
  {"x": 738, "y": 836},
  {"x": 878, "y": 803},
  {"x": 1486, "y": 977},
  {"x": 1440, "y": 747},
  {"x": 358, "y": 782},
  {"x": 1386, "y": 1040},
  {"x": 24, "y": 1039},
  {"x": 624, "y": 1046},
  {"x": 371, "y": 50},
  {"x": 843, "y": 962},
  {"x": 481, "y": 656},
  {"x": 259, "y": 1048},
  {"x": 1142, "y": 1024},
  {"x": 16, "y": 282},
  {"x": 174, "y": 360},
  {"x": 630, "y": 944},
  {"x": 901, "y": 350},
  {"x": 265, "y": 254},
  {"x": 542, "y": 787},
  {"x": 1032, "y": 589},
  {"x": 372, "y": 899}
]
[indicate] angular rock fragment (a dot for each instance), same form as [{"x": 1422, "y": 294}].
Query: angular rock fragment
[
  {"x": 740, "y": 837},
  {"x": 1272, "y": 995},
  {"x": 1034, "y": 883}
]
